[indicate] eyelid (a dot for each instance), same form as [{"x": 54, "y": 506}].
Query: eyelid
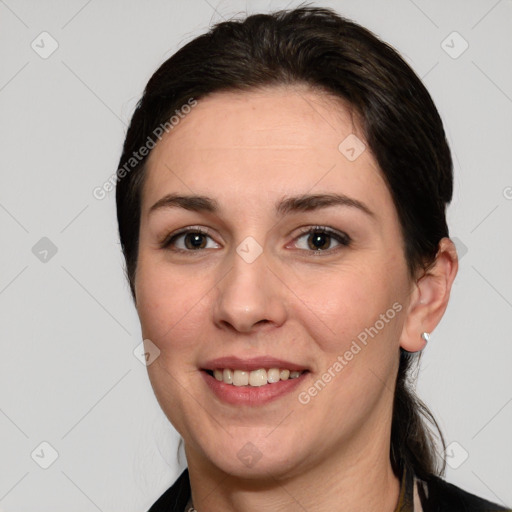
[
  {"x": 341, "y": 237},
  {"x": 323, "y": 229}
]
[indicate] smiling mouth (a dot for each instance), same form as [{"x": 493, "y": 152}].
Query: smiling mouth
[{"x": 254, "y": 378}]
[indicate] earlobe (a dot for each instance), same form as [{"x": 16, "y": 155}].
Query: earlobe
[{"x": 430, "y": 298}]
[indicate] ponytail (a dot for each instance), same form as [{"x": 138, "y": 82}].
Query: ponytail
[{"x": 413, "y": 443}]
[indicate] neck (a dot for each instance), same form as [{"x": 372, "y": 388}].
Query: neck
[{"x": 359, "y": 480}]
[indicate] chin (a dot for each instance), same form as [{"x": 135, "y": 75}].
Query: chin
[{"x": 256, "y": 456}]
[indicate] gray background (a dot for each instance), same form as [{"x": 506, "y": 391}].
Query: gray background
[{"x": 68, "y": 375}]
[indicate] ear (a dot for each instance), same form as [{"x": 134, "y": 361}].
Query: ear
[{"x": 429, "y": 297}]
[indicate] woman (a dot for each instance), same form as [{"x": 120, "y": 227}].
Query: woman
[{"x": 281, "y": 202}]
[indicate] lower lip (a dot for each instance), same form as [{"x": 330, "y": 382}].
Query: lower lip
[{"x": 251, "y": 395}]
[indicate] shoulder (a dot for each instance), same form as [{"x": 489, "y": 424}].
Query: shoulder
[
  {"x": 437, "y": 495},
  {"x": 175, "y": 498}
]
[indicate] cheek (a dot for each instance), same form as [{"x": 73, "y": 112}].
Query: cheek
[
  {"x": 171, "y": 307},
  {"x": 343, "y": 305}
]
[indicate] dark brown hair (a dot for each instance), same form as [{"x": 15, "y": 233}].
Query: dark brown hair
[{"x": 398, "y": 118}]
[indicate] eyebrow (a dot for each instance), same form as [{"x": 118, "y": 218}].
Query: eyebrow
[{"x": 301, "y": 203}]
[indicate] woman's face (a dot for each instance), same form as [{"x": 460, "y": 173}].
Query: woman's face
[{"x": 293, "y": 261}]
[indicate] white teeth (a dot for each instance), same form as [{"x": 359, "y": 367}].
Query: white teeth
[
  {"x": 227, "y": 376},
  {"x": 273, "y": 375},
  {"x": 240, "y": 378},
  {"x": 258, "y": 378},
  {"x": 255, "y": 378}
]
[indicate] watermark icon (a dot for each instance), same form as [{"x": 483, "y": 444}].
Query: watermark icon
[
  {"x": 146, "y": 352},
  {"x": 44, "y": 45},
  {"x": 249, "y": 454},
  {"x": 455, "y": 455},
  {"x": 461, "y": 247},
  {"x": 507, "y": 192},
  {"x": 454, "y": 45},
  {"x": 249, "y": 249},
  {"x": 351, "y": 147},
  {"x": 342, "y": 361},
  {"x": 100, "y": 192},
  {"x": 44, "y": 455},
  {"x": 44, "y": 250}
]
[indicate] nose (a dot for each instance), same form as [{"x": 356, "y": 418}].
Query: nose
[{"x": 250, "y": 297}]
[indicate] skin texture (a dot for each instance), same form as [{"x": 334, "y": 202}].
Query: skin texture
[{"x": 249, "y": 151}]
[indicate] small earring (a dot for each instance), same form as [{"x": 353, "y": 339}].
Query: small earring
[{"x": 426, "y": 336}]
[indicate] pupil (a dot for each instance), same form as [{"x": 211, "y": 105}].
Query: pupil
[
  {"x": 319, "y": 241},
  {"x": 195, "y": 241}
]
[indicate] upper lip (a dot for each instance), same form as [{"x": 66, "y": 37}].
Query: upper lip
[{"x": 249, "y": 364}]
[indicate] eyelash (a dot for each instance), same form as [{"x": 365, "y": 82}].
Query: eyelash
[{"x": 342, "y": 238}]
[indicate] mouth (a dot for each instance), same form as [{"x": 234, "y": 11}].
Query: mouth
[{"x": 254, "y": 381}]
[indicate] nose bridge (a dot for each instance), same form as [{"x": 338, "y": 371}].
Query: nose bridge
[{"x": 248, "y": 294}]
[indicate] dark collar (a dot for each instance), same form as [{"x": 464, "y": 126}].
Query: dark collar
[{"x": 176, "y": 497}]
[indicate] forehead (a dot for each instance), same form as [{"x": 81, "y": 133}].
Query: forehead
[
  {"x": 265, "y": 118},
  {"x": 277, "y": 140}
]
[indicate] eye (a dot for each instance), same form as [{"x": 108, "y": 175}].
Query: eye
[
  {"x": 321, "y": 239},
  {"x": 189, "y": 239}
]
